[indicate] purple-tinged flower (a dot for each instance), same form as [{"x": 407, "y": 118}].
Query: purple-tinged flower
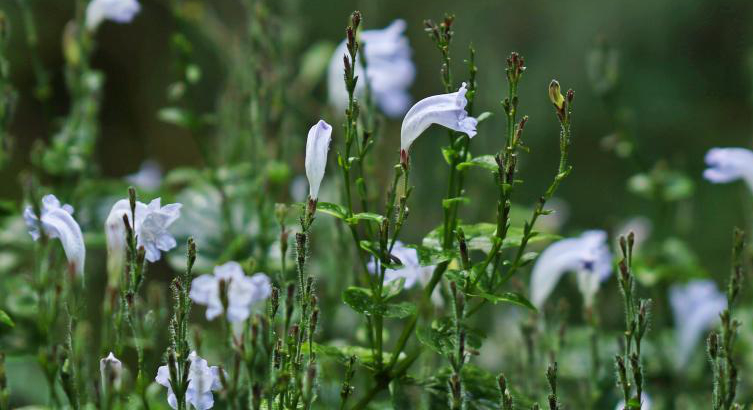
[{"x": 119, "y": 11}]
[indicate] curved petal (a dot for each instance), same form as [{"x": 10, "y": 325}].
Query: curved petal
[
  {"x": 60, "y": 224},
  {"x": 317, "y": 145},
  {"x": 696, "y": 307},
  {"x": 447, "y": 110},
  {"x": 729, "y": 164}
]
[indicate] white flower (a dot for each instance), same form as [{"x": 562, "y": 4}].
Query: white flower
[
  {"x": 447, "y": 110},
  {"x": 587, "y": 255},
  {"x": 645, "y": 403},
  {"x": 242, "y": 291},
  {"x": 110, "y": 370},
  {"x": 729, "y": 164},
  {"x": 148, "y": 177},
  {"x": 696, "y": 307},
  {"x": 57, "y": 222},
  {"x": 202, "y": 380},
  {"x": 317, "y": 145},
  {"x": 389, "y": 70},
  {"x": 119, "y": 11},
  {"x": 412, "y": 271},
  {"x": 151, "y": 232}
]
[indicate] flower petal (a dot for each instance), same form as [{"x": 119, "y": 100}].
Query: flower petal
[{"x": 317, "y": 145}]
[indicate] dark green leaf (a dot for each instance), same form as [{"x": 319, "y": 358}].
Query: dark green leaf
[
  {"x": 366, "y": 216},
  {"x": 447, "y": 203},
  {"x": 336, "y": 210}
]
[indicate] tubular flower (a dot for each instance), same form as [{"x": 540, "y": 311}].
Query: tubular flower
[
  {"x": 317, "y": 145},
  {"x": 729, "y": 164},
  {"x": 202, "y": 380},
  {"x": 447, "y": 110},
  {"x": 57, "y": 222},
  {"x": 242, "y": 291},
  {"x": 587, "y": 255},
  {"x": 119, "y": 11},
  {"x": 389, "y": 70},
  {"x": 111, "y": 371},
  {"x": 696, "y": 307}
]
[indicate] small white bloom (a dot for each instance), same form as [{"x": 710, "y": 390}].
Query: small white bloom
[
  {"x": 645, "y": 403},
  {"x": 110, "y": 371},
  {"x": 696, "y": 307},
  {"x": 150, "y": 226},
  {"x": 389, "y": 72},
  {"x": 587, "y": 255},
  {"x": 148, "y": 177},
  {"x": 317, "y": 145},
  {"x": 57, "y": 222},
  {"x": 202, "y": 380},
  {"x": 242, "y": 291},
  {"x": 729, "y": 164},
  {"x": 119, "y": 11},
  {"x": 447, "y": 110},
  {"x": 412, "y": 271}
]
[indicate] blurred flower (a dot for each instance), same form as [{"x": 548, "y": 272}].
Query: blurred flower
[
  {"x": 57, "y": 222},
  {"x": 110, "y": 370},
  {"x": 729, "y": 164},
  {"x": 389, "y": 70},
  {"x": 317, "y": 145},
  {"x": 202, "y": 380},
  {"x": 587, "y": 255},
  {"x": 298, "y": 188},
  {"x": 645, "y": 403},
  {"x": 242, "y": 291},
  {"x": 641, "y": 228},
  {"x": 119, "y": 11},
  {"x": 695, "y": 306},
  {"x": 151, "y": 223},
  {"x": 148, "y": 177},
  {"x": 447, "y": 110},
  {"x": 412, "y": 271}
]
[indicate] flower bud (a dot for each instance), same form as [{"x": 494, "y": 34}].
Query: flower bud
[
  {"x": 111, "y": 371},
  {"x": 555, "y": 95}
]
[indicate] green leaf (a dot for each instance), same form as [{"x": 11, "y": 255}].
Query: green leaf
[
  {"x": 5, "y": 319},
  {"x": 178, "y": 116},
  {"x": 366, "y": 216},
  {"x": 508, "y": 297},
  {"x": 484, "y": 116},
  {"x": 481, "y": 237},
  {"x": 448, "y": 153},
  {"x": 438, "y": 341},
  {"x": 483, "y": 161},
  {"x": 431, "y": 256},
  {"x": 336, "y": 210},
  {"x": 399, "y": 310},
  {"x": 361, "y": 300},
  {"x": 342, "y": 354},
  {"x": 447, "y": 203}
]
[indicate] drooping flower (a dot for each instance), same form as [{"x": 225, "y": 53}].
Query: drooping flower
[
  {"x": 645, "y": 403},
  {"x": 202, "y": 380},
  {"x": 389, "y": 70},
  {"x": 110, "y": 371},
  {"x": 695, "y": 306},
  {"x": 148, "y": 177},
  {"x": 242, "y": 291},
  {"x": 729, "y": 164},
  {"x": 151, "y": 223},
  {"x": 57, "y": 222},
  {"x": 119, "y": 11},
  {"x": 447, "y": 110},
  {"x": 587, "y": 255},
  {"x": 317, "y": 145}
]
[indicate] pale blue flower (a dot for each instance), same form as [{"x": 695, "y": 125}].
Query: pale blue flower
[
  {"x": 317, "y": 145},
  {"x": 57, "y": 222},
  {"x": 729, "y": 164},
  {"x": 119, "y": 11},
  {"x": 587, "y": 255},
  {"x": 202, "y": 380},
  {"x": 390, "y": 71},
  {"x": 148, "y": 177},
  {"x": 447, "y": 110},
  {"x": 242, "y": 291},
  {"x": 696, "y": 306}
]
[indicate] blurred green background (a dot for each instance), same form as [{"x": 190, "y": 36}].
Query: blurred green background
[{"x": 684, "y": 75}]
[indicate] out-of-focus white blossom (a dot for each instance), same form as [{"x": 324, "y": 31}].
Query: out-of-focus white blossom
[
  {"x": 57, "y": 222},
  {"x": 389, "y": 70},
  {"x": 202, "y": 380},
  {"x": 151, "y": 223},
  {"x": 119, "y": 11},
  {"x": 641, "y": 228},
  {"x": 447, "y": 110},
  {"x": 412, "y": 271},
  {"x": 696, "y": 306},
  {"x": 242, "y": 291},
  {"x": 729, "y": 164},
  {"x": 111, "y": 371},
  {"x": 317, "y": 145},
  {"x": 587, "y": 255},
  {"x": 148, "y": 177}
]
